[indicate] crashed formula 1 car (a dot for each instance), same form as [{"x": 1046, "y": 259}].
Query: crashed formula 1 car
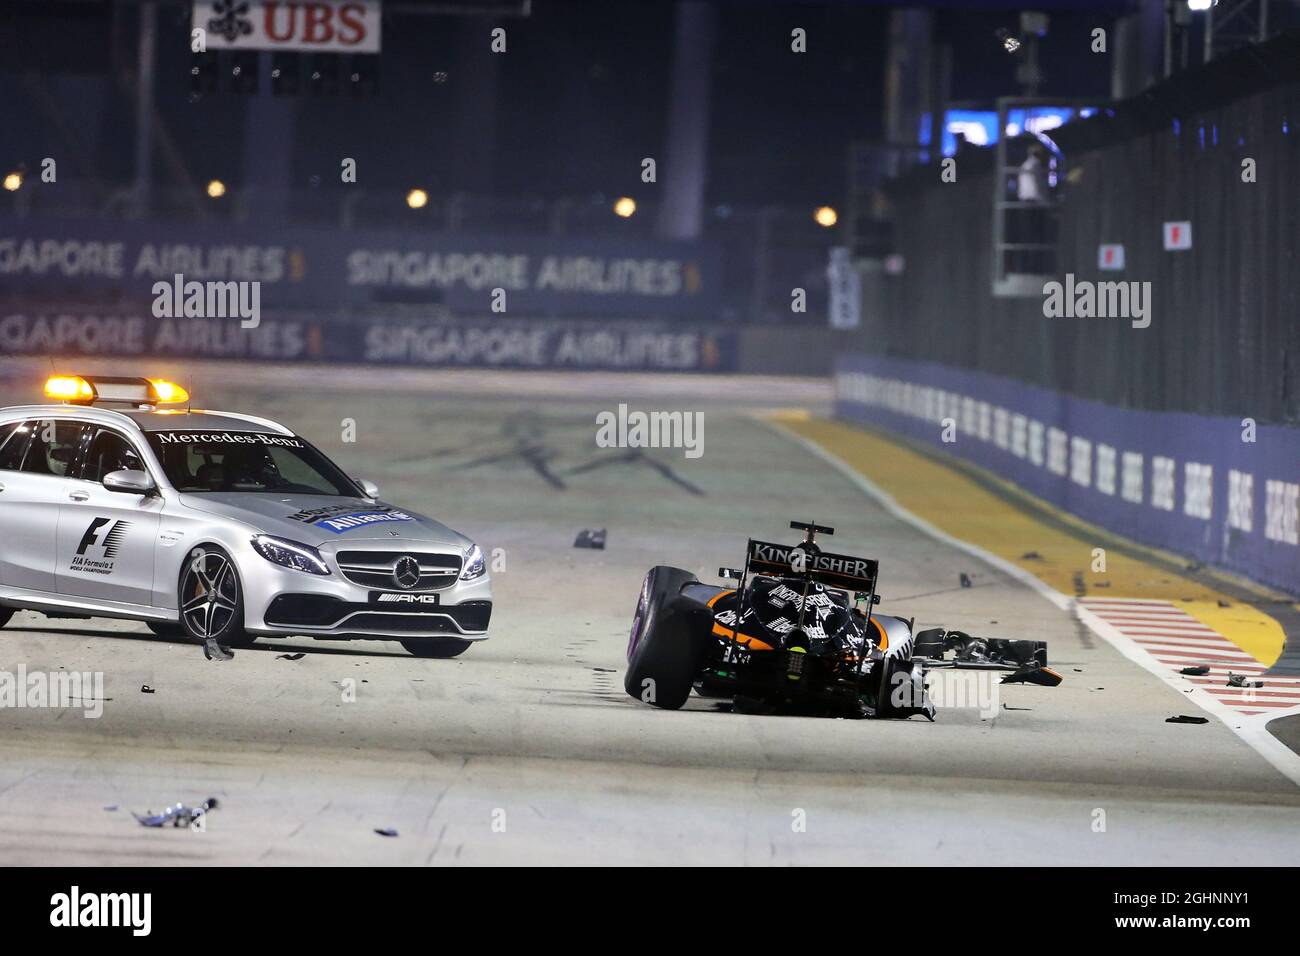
[{"x": 797, "y": 634}]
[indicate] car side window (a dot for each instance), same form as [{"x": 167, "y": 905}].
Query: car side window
[
  {"x": 13, "y": 444},
  {"x": 109, "y": 452},
  {"x": 53, "y": 447}
]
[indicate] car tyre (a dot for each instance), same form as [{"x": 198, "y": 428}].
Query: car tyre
[
  {"x": 439, "y": 647},
  {"x": 890, "y": 669},
  {"x": 665, "y": 650},
  {"x": 211, "y": 598}
]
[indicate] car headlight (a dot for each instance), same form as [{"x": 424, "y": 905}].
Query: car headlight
[
  {"x": 290, "y": 554},
  {"x": 474, "y": 565}
]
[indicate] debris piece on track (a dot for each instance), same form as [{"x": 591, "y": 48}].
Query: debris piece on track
[
  {"x": 290, "y": 657},
  {"x": 178, "y": 815},
  {"x": 1196, "y": 670},
  {"x": 1241, "y": 680},
  {"x": 590, "y": 538},
  {"x": 215, "y": 652},
  {"x": 386, "y": 831},
  {"x": 1184, "y": 719},
  {"x": 1033, "y": 673},
  {"x": 146, "y": 689}
]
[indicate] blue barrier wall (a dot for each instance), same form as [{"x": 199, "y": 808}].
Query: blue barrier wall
[{"x": 1189, "y": 483}]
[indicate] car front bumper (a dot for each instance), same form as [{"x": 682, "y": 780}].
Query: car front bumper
[{"x": 283, "y": 602}]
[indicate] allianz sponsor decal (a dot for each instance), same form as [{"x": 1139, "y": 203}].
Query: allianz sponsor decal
[
  {"x": 360, "y": 519},
  {"x": 341, "y": 518}
]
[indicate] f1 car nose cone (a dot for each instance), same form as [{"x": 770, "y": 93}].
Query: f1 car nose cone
[{"x": 406, "y": 572}]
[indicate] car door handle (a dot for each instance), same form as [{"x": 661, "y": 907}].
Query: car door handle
[{"x": 79, "y": 495}]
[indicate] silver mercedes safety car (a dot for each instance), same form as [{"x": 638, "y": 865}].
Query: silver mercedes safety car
[{"x": 123, "y": 502}]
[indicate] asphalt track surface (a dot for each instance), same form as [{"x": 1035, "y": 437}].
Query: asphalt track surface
[{"x": 526, "y": 749}]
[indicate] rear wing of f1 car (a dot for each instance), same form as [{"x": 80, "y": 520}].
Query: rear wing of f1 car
[{"x": 808, "y": 562}]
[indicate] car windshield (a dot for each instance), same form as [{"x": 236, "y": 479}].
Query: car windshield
[{"x": 226, "y": 461}]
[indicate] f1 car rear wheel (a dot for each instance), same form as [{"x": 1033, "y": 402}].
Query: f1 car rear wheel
[
  {"x": 440, "y": 647},
  {"x": 901, "y": 690},
  {"x": 665, "y": 650},
  {"x": 211, "y": 598}
]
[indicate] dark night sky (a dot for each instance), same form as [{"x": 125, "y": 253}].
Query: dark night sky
[{"x": 581, "y": 97}]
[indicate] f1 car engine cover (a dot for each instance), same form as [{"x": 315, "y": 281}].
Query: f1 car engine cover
[{"x": 772, "y": 615}]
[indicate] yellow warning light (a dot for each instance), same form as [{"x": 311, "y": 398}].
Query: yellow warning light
[
  {"x": 168, "y": 393},
  {"x": 69, "y": 388}
]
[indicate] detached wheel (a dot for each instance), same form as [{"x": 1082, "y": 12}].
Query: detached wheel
[
  {"x": 439, "y": 647},
  {"x": 211, "y": 599},
  {"x": 665, "y": 651}
]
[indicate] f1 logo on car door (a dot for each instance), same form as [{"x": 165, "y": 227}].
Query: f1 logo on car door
[
  {"x": 102, "y": 555},
  {"x": 102, "y": 540}
]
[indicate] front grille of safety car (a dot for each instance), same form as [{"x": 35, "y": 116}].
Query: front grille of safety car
[
  {"x": 320, "y": 611},
  {"x": 374, "y": 569}
]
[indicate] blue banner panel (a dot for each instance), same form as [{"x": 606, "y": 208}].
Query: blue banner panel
[
  {"x": 311, "y": 268},
  {"x": 546, "y": 344},
  {"x": 1222, "y": 490},
  {"x": 473, "y": 343}
]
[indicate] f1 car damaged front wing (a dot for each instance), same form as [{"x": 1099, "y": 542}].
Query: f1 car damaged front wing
[{"x": 1026, "y": 659}]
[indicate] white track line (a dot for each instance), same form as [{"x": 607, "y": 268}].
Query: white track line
[{"x": 1249, "y": 727}]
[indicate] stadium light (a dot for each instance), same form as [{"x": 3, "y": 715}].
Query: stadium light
[
  {"x": 625, "y": 207},
  {"x": 826, "y": 216},
  {"x": 216, "y": 189},
  {"x": 14, "y": 182},
  {"x": 1200, "y": 6},
  {"x": 417, "y": 199}
]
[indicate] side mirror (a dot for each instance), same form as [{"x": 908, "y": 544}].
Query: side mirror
[
  {"x": 369, "y": 487},
  {"x": 130, "y": 482}
]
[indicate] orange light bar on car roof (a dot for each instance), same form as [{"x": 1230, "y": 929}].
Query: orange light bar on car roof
[
  {"x": 69, "y": 388},
  {"x": 168, "y": 393}
]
